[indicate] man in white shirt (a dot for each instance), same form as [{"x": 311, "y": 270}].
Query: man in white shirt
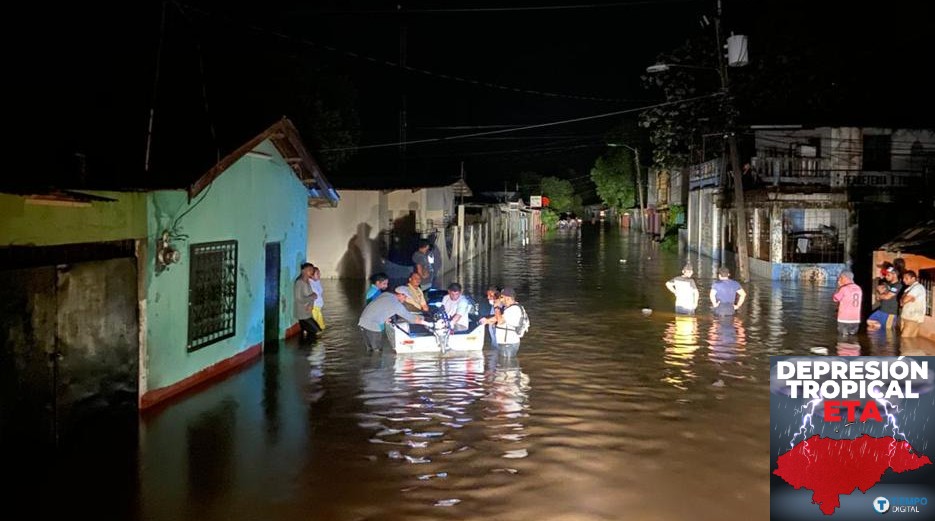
[
  {"x": 913, "y": 304},
  {"x": 685, "y": 291},
  {"x": 508, "y": 323},
  {"x": 457, "y": 307}
]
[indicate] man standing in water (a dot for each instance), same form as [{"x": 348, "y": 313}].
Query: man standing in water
[
  {"x": 512, "y": 323},
  {"x": 724, "y": 294},
  {"x": 685, "y": 291},
  {"x": 304, "y": 302},
  {"x": 848, "y": 297},
  {"x": 378, "y": 311}
]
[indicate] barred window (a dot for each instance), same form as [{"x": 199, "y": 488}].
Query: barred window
[
  {"x": 927, "y": 279},
  {"x": 212, "y": 293}
]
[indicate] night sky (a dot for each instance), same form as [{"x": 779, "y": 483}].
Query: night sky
[{"x": 227, "y": 72}]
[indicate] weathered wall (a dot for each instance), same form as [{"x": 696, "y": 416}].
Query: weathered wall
[
  {"x": 255, "y": 202},
  {"x": 27, "y": 222}
]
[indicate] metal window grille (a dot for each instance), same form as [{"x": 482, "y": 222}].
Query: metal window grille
[
  {"x": 927, "y": 279},
  {"x": 212, "y": 293}
]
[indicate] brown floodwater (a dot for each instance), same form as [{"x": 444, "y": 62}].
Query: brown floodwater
[{"x": 605, "y": 414}]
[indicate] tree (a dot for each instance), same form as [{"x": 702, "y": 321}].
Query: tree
[
  {"x": 613, "y": 175},
  {"x": 560, "y": 192}
]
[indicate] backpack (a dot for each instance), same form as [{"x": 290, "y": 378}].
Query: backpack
[{"x": 523, "y": 322}]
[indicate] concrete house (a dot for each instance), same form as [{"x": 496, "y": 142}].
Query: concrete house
[
  {"x": 132, "y": 297},
  {"x": 813, "y": 198}
]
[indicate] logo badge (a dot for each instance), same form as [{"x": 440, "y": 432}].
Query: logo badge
[{"x": 881, "y": 504}]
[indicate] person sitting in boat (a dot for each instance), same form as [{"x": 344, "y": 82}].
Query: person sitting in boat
[
  {"x": 379, "y": 311},
  {"x": 457, "y": 307},
  {"x": 490, "y": 310},
  {"x": 415, "y": 299}
]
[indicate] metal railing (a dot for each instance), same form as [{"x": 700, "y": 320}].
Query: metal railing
[{"x": 775, "y": 171}]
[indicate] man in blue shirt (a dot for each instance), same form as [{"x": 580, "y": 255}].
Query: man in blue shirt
[{"x": 724, "y": 294}]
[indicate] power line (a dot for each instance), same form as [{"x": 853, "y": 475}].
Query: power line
[
  {"x": 568, "y": 7},
  {"x": 527, "y": 127},
  {"x": 408, "y": 68}
]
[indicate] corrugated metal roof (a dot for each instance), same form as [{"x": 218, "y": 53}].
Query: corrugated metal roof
[{"x": 918, "y": 240}]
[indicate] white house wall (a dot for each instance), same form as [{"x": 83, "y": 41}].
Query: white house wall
[{"x": 343, "y": 241}]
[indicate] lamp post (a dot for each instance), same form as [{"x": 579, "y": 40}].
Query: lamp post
[
  {"x": 639, "y": 181},
  {"x": 739, "y": 208}
]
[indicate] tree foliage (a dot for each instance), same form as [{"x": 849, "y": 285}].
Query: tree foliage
[
  {"x": 614, "y": 175},
  {"x": 561, "y": 194},
  {"x": 678, "y": 128}
]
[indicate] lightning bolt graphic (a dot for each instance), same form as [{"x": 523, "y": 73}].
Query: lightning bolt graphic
[{"x": 807, "y": 424}]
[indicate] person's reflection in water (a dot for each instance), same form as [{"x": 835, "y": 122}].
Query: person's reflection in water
[
  {"x": 681, "y": 341},
  {"x": 883, "y": 343},
  {"x": 848, "y": 348},
  {"x": 507, "y": 401},
  {"x": 726, "y": 338},
  {"x": 316, "y": 372}
]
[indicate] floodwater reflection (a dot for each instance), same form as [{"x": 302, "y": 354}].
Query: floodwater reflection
[{"x": 604, "y": 414}]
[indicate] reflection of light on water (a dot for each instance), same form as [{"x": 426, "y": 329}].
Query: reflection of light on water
[
  {"x": 681, "y": 339},
  {"x": 848, "y": 349}
]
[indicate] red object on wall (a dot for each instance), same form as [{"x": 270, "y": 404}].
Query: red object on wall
[{"x": 545, "y": 201}]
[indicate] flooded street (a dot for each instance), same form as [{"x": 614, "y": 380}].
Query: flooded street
[{"x": 605, "y": 414}]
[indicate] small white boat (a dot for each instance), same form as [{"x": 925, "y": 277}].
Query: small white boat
[{"x": 436, "y": 336}]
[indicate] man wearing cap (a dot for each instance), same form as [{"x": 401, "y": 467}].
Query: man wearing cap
[
  {"x": 377, "y": 312},
  {"x": 304, "y": 302},
  {"x": 848, "y": 296},
  {"x": 456, "y": 307},
  {"x": 685, "y": 291},
  {"x": 508, "y": 322},
  {"x": 888, "y": 291}
]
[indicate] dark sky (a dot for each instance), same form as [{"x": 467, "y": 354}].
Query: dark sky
[{"x": 226, "y": 72}]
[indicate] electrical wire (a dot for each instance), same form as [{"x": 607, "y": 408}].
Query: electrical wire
[
  {"x": 527, "y": 127},
  {"x": 399, "y": 66}
]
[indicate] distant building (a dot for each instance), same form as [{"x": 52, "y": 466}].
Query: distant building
[{"x": 813, "y": 197}]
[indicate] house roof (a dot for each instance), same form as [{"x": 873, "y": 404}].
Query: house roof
[
  {"x": 285, "y": 137},
  {"x": 918, "y": 240}
]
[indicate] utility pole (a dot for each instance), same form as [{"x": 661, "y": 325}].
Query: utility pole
[
  {"x": 639, "y": 188},
  {"x": 739, "y": 209}
]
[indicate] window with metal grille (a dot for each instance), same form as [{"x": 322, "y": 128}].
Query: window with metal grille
[
  {"x": 927, "y": 279},
  {"x": 212, "y": 293}
]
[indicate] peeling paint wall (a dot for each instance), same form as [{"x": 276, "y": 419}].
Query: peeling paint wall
[{"x": 256, "y": 201}]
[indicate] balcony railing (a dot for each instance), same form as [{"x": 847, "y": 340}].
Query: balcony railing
[
  {"x": 704, "y": 174},
  {"x": 775, "y": 171}
]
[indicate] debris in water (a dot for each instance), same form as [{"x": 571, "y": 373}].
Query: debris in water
[
  {"x": 819, "y": 350},
  {"x": 424, "y": 477},
  {"x": 623, "y": 261},
  {"x": 447, "y": 502},
  {"x": 646, "y": 312},
  {"x": 508, "y": 471},
  {"x": 719, "y": 383},
  {"x": 513, "y": 454}
]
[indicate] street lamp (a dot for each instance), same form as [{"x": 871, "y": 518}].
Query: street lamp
[
  {"x": 639, "y": 181},
  {"x": 737, "y": 48}
]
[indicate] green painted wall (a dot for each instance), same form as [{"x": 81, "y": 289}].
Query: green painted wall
[
  {"x": 256, "y": 201},
  {"x": 23, "y": 223}
]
